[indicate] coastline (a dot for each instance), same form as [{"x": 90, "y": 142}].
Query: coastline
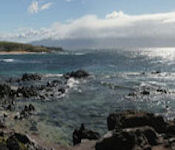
[
  {"x": 146, "y": 131},
  {"x": 17, "y": 52}
]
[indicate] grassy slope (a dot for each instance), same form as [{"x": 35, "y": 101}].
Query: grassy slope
[{"x": 12, "y": 46}]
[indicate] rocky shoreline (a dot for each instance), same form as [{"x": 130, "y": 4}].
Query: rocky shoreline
[
  {"x": 27, "y": 87},
  {"x": 132, "y": 130},
  {"x": 128, "y": 130}
]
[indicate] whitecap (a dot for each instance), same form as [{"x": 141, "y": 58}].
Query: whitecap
[
  {"x": 7, "y": 60},
  {"x": 53, "y": 75},
  {"x": 79, "y": 54},
  {"x": 72, "y": 82}
]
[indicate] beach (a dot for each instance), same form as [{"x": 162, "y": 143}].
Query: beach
[{"x": 16, "y": 52}]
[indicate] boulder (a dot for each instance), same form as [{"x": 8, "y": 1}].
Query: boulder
[
  {"x": 76, "y": 74},
  {"x": 145, "y": 92},
  {"x": 133, "y": 94},
  {"x": 162, "y": 91},
  {"x": 17, "y": 141},
  {"x": 5, "y": 91},
  {"x": 22, "y": 138},
  {"x": 26, "y": 112},
  {"x": 13, "y": 144},
  {"x": 54, "y": 83},
  {"x": 27, "y": 92},
  {"x": 31, "y": 108},
  {"x": 28, "y": 77},
  {"x": 129, "y": 139},
  {"x": 156, "y": 72},
  {"x": 62, "y": 90},
  {"x": 131, "y": 119},
  {"x": 83, "y": 133}
]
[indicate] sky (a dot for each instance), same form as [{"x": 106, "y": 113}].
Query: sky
[{"x": 91, "y": 20}]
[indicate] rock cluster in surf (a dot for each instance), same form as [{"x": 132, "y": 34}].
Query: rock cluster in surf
[{"x": 28, "y": 87}]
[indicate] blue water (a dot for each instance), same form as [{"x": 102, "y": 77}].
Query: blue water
[{"x": 114, "y": 74}]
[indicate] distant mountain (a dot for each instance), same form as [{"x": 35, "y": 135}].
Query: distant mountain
[
  {"x": 108, "y": 43},
  {"x": 67, "y": 43},
  {"x": 21, "y": 47}
]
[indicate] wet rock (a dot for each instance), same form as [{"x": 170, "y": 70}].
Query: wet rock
[
  {"x": 5, "y": 115},
  {"x": 16, "y": 117},
  {"x": 42, "y": 87},
  {"x": 28, "y": 77},
  {"x": 5, "y": 91},
  {"x": 62, "y": 90},
  {"x": 76, "y": 137},
  {"x": 132, "y": 94},
  {"x": 145, "y": 92},
  {"x": 77, "y": 74},
  {"x": 26, "y": 112},
  {"x": 42, "y": 97},
  {"x": 54, "y": 83},
  {"x": 156, "y": 72},
  {"x": 83, "y": 133},
  {"x": 31, "y": 107},
  {"x": 162, "y": 91},
  {"x": 10, "y": 107},
  {"x": 28, "y": 92},
  {"x": 131, "y": 119}
]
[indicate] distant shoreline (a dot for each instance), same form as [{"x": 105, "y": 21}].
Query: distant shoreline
[
  {"x": 12, "y": 48},
  {"x": 18, "y": 52}
]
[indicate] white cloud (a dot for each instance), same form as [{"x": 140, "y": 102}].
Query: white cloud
[
  {"x": 115, "y": 14},
  {"x": 35, "y": 7},
  {"x": 116, "y": 25},
  {"x": 46, "y": 6}
]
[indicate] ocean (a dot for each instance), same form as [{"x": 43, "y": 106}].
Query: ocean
[{"x": 114, "y": 74}]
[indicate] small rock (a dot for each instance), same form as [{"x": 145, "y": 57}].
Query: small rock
[
  {"x": 31, "y": 107},
  {"x": 156, "y": 72},
  {"x": 162, "y": 91},
  {"x": 77, "y": 74},
  {"x": 83, "y": 133},
  {"x": 132, "y": 94},
  {"x": 28, "y": 77},
  {"x": 62, "y": 90},
  {"x": 145, "y": 92}
]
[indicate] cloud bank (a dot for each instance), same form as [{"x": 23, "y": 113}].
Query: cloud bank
[{"x": 147, "y": 30}]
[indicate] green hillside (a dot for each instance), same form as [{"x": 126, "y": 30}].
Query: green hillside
[{"x": 12, "y": 46}]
